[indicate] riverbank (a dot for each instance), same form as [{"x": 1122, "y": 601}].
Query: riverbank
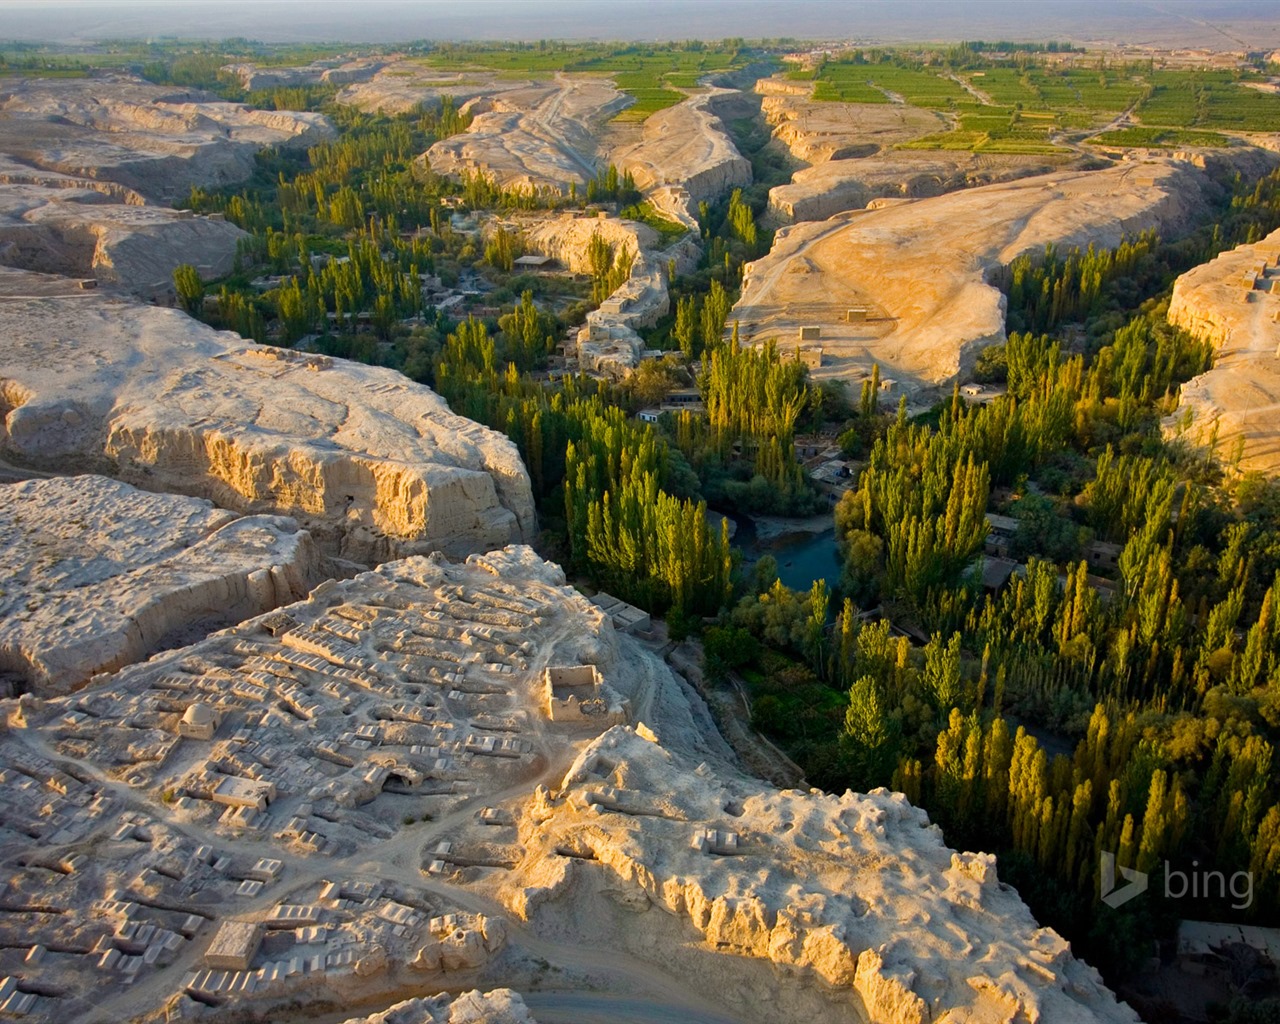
[{"x": 772, "y": 528}]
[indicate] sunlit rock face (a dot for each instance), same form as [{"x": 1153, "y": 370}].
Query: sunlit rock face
[
  {"x": 1230, "y": 303},
  {"x": 918, "y": 271},
  {"x": 370, "y": 463},
  {"x": 99, "y": 574}
]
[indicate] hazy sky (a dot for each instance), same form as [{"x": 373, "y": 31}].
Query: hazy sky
[{"x": 1222, "y": 24}]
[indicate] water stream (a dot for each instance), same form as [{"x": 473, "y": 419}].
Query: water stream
[{"x": 802, "y": 556}]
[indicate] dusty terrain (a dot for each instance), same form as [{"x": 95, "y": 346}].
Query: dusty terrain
[
  {"x": 79, "y": 233},
  {"x": 609, "y": 341},
  {"x": 1230, "y": 301},
  {"x": 684, "y": 155},
  {"x": 402, "y": 85},
  {"x": 543, "y": 136},
  {"x": 378, "y": 783},
  {"x": 919, "y": 267},
  {"x": 825, "y": 189},
  {"x": 157, "y": 141},
  {"x": 371, "y": 463},
  {"x": 98, "y": 575},
  {"x": 328, "y": 72},
  {"x": 816, "y": 132},
  {"x": 82, "y": 159},
  {"x": 502, "y": 1006},
  {"x": 847, "y": 156}
]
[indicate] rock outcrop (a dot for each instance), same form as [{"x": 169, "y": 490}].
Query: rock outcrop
[
  {"x": 609, "y": 341},
  {"x": 501, "y": 1006},
  {"x": 156, "y": 140},
  {"x": 544, "y": 136},
  {"x": 98, "y": 575},
  {"x": 816, "y": 132},
  {"x": 1233, "y": 303},
  {"x": 403, "y": 85},
  {"x": 83, "y": 158},
  {"x": 321, "y": 72},
  {"x": 821, "y": 887},
  {"x": 825, "y": 189},
  {"x": 849, "y": 157},
  {"x": 371, "y": 463},
  {"x": 685, "y": 156},
  {"x": 916, "y": 270},
  {"x": 76, "y": 232},
  {"x": 567, "y": 238}
]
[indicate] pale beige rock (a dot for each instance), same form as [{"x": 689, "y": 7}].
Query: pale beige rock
[
  {"x": 501, "y": 1006},
  {"x": 155, "y": 140},
  {"x": 816, "y": 132},
  {"x": 1238, "y": 398},
  {"x": 855, "y": 899},
  {"x": 97, "y": 574},
  {"x": 384, "y": 780},
  {"x": 685, "y": 147},
  {"x": 543, "y": 136},
  {"x": 329, "y": 72},
  {"x": 567, "y": 238},
  {"x": 76, "y": 232},
  {"x": 825, "y": 189},
  {"x": 370, "y": 462},
  {"x": 82, "y": 157},
  {"x": 402, "y": 85},
  {"x": 609, "y": 342},
  {"x": 920, "y": 267},
  {"x": 848, "y": 155}
]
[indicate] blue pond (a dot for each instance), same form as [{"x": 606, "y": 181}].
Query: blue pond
[{"x": 802, "y": 557}]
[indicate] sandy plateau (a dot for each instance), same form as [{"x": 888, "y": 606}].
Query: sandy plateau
[
  {"x": 98, "y": 575},
  {"x": 81, "y": 160},
  {"x": 847, "y": 156},
  {"x": 1234, "y": 302},
  {"x": 400, "y": 86},
  {"x": 918, "y": 269},
  {"x": 411, "y": 781},
  {"x": 684, "y": 156},
  {"x": 542, "y": 136},
  {"x": 78, "y": 232},
  {"x": 158, "y": 141},
  {"x": 373, "y": 464}
]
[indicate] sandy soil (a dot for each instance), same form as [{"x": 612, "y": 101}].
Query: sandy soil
[
  {"x": 918, "y": 268},
  {"x": 1239, "y": 398}
]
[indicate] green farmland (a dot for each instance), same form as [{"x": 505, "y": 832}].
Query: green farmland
[
  {"x": 652, "y": 76},
  {"x": 1024, "y": 109}
]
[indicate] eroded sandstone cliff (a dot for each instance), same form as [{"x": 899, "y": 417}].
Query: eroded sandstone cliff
[
  {"x": 685, "y": 147},
  {"x": 916, "y": 271},
  {"x": 1233, "y": 303},
  {"x": 98, "y": 575},
  {"x": 158, "y": 141},
  {"x": 371, "y": 463}
]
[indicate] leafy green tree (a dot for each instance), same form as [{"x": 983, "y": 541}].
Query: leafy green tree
[{"x": 189, "y": 287}]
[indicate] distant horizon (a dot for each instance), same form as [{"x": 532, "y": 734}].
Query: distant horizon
[{"x": 1230, "y": 25}]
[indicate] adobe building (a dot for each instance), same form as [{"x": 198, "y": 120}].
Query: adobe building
[{"x": 574, "y": 693}]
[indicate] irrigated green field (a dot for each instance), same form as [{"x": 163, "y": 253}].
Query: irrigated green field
[
  {"x": 1208, "y": 100},
  {"x": 983, "y": 129},
  {"x": 1075, "y": 95},
  {"x": 1021, "y": 109},
  {"x": 869, "y": 83},
  {"x": 653, "y": 76},
  {"x": 1158, "y": 137}
]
